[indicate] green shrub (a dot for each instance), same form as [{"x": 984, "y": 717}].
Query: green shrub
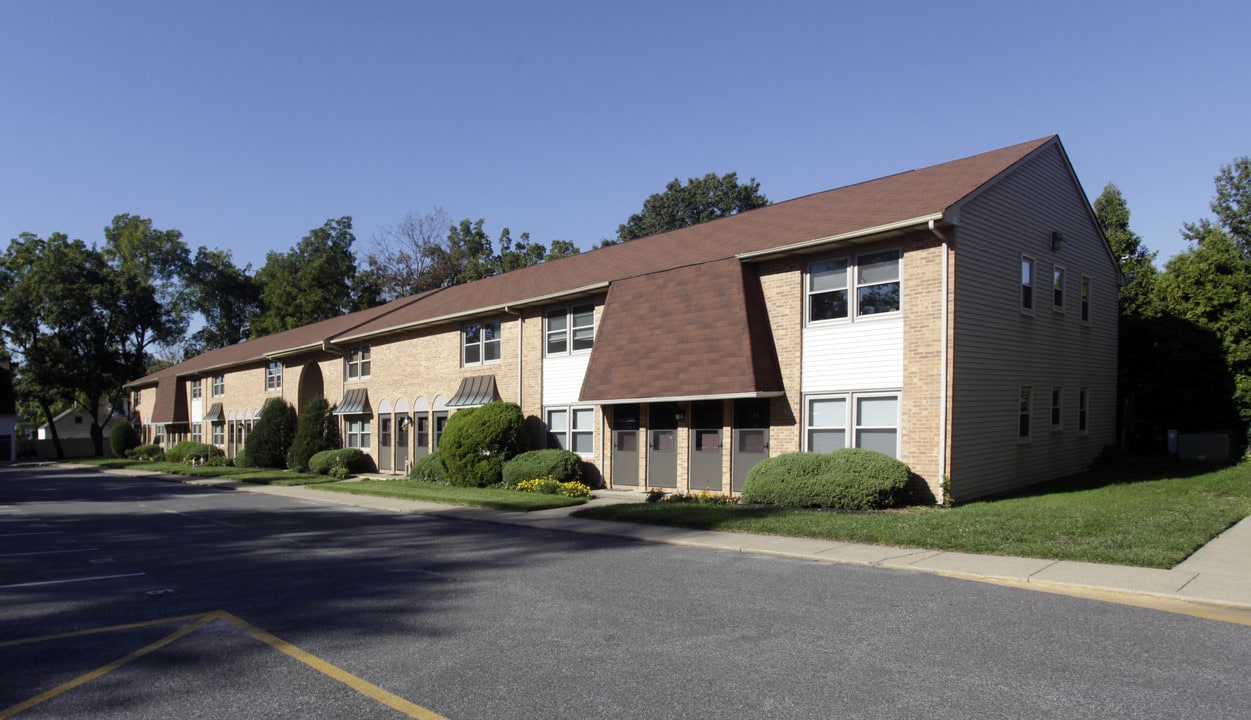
[
  {"x": 219, "y": 461},
  {"x": 271, "y": 437},
  {"x": 428, "y": 468},
  {"x": 149, "y": 453},
  {"x": 190, "y": 449},
  {"x": 551, "y": 486},
  {"x": 478, "y": 441},
  {"x": 122, "y": 438},
  {"x": 351, "y": 460},
  {"x": 847, "y": 479},
  {"x": 317, "y": 431},
  {"x": 560, "y": 465}
]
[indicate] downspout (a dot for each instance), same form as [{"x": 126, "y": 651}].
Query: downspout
[{"x": 942, "y": 372}]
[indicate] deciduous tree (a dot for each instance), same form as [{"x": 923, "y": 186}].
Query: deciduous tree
[{"x": 699, "y": 200}]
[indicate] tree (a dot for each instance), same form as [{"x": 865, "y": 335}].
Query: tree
[
  {"x": 698, "y": 201},
  {"x": 1137, "y": 265},
  {"x": 149, "y": 272},
  {"x": 225, "y": 296},
  {"x": 270, "y": 440},
  {"x": 403, "y": 255},
  {"x": 312, "y": 282},
  {"x": 1232, "y": 203},
  {"x": 316, "y": 431}
]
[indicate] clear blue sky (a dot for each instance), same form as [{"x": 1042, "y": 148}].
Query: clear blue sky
[{"x": 246, "y": 124}]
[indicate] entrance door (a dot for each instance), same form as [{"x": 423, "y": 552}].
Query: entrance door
[
  {"x": 402, "y": 428},
  {"x": 662, "y": 450},
  {"x": 751, "y": 439},
  {"x": 625, "y": 446},
  {"x": 706, "y": 419},
  {"x": 385, "y": 448},
  {"x": 421, "y": 440},
  {"x": 440, "y": 424}
]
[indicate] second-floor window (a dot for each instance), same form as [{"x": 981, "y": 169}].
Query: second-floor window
[
  {"x": 1027, "y": 284},
  {"x": 197, "y": 389},
  {"x": 1057, "y": 287},
  {"x": 480, "y": 343},
  {"x": 570, "y": 329},
  {"x": 273, "y": 376},
  {"x": 219, "y": 385},
  {"x": 358, "y": 363},
  {"x": 849, "y": 288}
]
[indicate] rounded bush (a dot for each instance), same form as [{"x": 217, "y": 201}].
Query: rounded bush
[
  {"x": 122, "y": 438},
  {"x": 149, "y": 452},
  {"x": 271, "y": 437},
  {"x": 846, "y": 479},
  {"x": 188, "y": 449},
  {"x": 478, "y": 441},
  {"x": 317, "y": 431},
  {"x": 559, "y": 465},
  {"x": 428, "y": 468},
  {"x": 351, "y": 459}
]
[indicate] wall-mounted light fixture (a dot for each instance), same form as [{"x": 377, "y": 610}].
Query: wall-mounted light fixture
[{"x": 1056, "y": 240}]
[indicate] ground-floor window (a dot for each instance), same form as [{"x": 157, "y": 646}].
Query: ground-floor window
[
  {"x": 1026, "y": 412},
  {"x": 197, "y": 432},
  {"x": 863, "y": 420},
  {"x": 571, "y": 428},
  {"x": 358, "y": 431},
  {"x": 219, "y": 433}
]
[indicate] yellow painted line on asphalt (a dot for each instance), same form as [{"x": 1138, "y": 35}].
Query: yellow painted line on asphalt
[
  {"x": 364, "y": 687},
  {"x": 199, "y": 620},
  {"x": 102, "y": 671}
]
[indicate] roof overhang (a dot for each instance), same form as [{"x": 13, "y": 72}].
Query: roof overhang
[
  {"x": 685, "y": 398},
  {"x": 806, "y": 246}
]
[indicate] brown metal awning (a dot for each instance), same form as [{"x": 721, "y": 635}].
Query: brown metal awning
[
  {"x": 476, "y": 390},
  {"x": 355, "y": 402},
  {"x": 214, "y": 413}
]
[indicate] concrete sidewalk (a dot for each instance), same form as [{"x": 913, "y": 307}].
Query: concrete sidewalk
[{"x": 1219, "y": 574}]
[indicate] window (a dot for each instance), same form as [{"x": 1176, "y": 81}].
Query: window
[
  {"x": 1027, "y": 284},
  {"x": 138, "y": 397},
  {"x": 1083, "y": 410},
  {"x": 572, "y": 428},
  {"x": 873, "y": 420},
  {"x": 481, "y": 343},
  {"x": 358, "y": 363},
  {"x": 422, "y": 431},
  {"x": 1026, "y": 410},
  {"x": 1085, "y": 299},
  {"x": 197, "y": 432},
  {"x": 219, "y": 433},
  {"x": 876, "y": 282},
  {"x": 1057, "y": 408},
  {"x": 197, "y": 390},
  {"x": 273, "y": 376},
  {"x": 1057, "y": 288},
  {"x": 570, "y": 329},
  {"x": 219, "y": 385},
  {"x": 358, "y": 431}
]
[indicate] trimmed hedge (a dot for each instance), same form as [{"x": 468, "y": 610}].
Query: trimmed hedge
[
  {"x": 191, "y": 449},
  {"x": 271, "y": 437},
  {"x": 122, "y": 438},
  {"x": 846, "y": 479},
  {"x": 352, "y": 459},
  {"x": 148, "y": 452},
  {"x": 428, "y": 468},
  {"x": 317, "y": 431},
  {"x": 477, "y": 441},
  {"x": 559, "y": 465}
]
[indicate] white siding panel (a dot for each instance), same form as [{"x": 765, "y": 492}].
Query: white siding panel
[
  {"x": 197, "y": 410},
  {"x": 856, "y": 355},
  {"x": 562, "y": 378}
]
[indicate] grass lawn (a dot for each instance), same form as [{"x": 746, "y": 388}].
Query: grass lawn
[
  {"x": 241, "y": 474},
  {"x": 452, "y": 495},
  {"x": 1144, "y": 517}
]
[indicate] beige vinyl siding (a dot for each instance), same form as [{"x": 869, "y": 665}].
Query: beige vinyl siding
[{"x": 998, "y": 348}]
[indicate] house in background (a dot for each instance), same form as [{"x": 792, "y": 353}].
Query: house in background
[
  {"x": 960, "y": 317},
  {"x": 8, "y": 413},
  {"x": 73, "y": 428}
]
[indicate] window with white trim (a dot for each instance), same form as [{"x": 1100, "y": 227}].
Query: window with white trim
[
  {"x": 1057, "y": 407},
  {"x": 219, "y": 433},
  {"x": 874, "y": 276},
  {"x": 1027, "y": 284},
  {"x": 358, "y": 363},
  {"x": 571, "y": 428},
  {"x": 570, "y": 330},
  {"x": 273, "y": 376},
  {"x": 197, "y": 389},
  {"x": 480, "y": 343},
  {"x": 864, "y": 420},
  {"x": 1026, "y": 412},
  {"x": 219, "y": 385},
  {"x": 1057, "y": 288},
  {"x": 1083, "y": 410},
  {"x": 1085, "y": 299},
  {"x": 358, "y": 428},
  {"x": 197, "y": 432}
]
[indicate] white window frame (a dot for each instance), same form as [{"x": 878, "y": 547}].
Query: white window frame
[
  {"x": 197, "y": 389},
  {"x": 1025, "y": 413},
  {"x": 1059, "y": 280},
  {"x": 273, "y": 376},
  {"x": 219, "y": 432},
  {"x": 573, "y": 333},
  {"x": 358, "y": 432},
  {"x": 853, "y": 286},
  {"x": 852, "y": 425},
  {"x": 219, "y": 385},
  {"x": 1083, "y": 411},
  {"x": 482, "y": 348},
  {"x": 1057, "y": 408},
  {"x": 197, "y": 432},
  {"x": 358, "y": 363},
  {"x": 1086, "y": 288},
  {"x": 579, "y": 424},
  {"x": 1027, "y": 297}
]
